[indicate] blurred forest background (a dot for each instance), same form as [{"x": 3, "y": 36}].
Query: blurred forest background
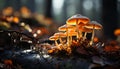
[{"x": 106, "y": 12}]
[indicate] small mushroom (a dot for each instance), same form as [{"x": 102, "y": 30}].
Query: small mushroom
[
  {"x": 117, "y": 33},
  {"x": 75, "y": 20},
  {"x": 60, "y": 35},
  {"x": 67, "y": 28},
  {"x": 54, "y": 38},
  {"x": 93, "y": 25}
]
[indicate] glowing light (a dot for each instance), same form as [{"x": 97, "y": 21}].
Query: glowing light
[
  {"x": 30, "y": 30},
  {"x": 34, "y": 48},
  {"x": 27, "y": 27},
  {"x": 27, "y": 51},
  {"x": 38, "y": 31},
  {"x": 9, "y": 34},
  {"x": 14, "y": 40},
  {"x": 87, "y": 4},
  {"x": 37, "y": 56},
  {"x": 57, "y": 5},
  {"x": 22, "y": 24},
  {"x": 20, "y": 38},
  {"x": 34, "y": 35},
  {"x": 46, "y": 56},
  {"x": 16, "y": 19},
  {"x": 29, "y": 41}
]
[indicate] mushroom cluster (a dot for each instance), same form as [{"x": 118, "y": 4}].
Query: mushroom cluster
[{"x": 75, "y": 31}]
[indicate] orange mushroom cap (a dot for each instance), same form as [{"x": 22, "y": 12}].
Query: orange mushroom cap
[
  {"x": 84, "y": 29},
  {"x": 71, "y": 33},
  {"x": 60, "y": 34},
  {"x": 65, "y": 27},
  {"x": 53, "y": 38},
  {"x": 94, "y": 24},
  {"x": 80, "y": 18},
  {"x": 81, "y": 24},
  {"x": 117, "y": 32}
]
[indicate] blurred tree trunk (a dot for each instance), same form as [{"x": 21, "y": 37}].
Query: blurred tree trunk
[
  {"x": 64, "y": 12},
  {"x": 48, "y": 8},
  {"x": 109, "y": 17}
]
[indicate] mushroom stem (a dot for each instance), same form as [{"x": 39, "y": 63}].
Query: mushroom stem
[
  {"x": 84, "y": 36},
  {"x": 68, "y": 40},
  {"x": 78, "y": 33},
  {"x": 93, "y": 34},
  {"x": 60, "y": 39},
  {"x": 56, "y": 43}
]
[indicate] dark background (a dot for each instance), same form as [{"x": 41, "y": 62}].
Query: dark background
[{"x": 106, "y": 12}]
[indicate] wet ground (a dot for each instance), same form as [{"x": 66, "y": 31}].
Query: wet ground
[{"x": 28, "y": 59}]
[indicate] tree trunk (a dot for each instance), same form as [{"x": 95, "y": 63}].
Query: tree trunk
[
  {"x": 48, "y": 8},
  {"x": 109, "y": 17}
]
